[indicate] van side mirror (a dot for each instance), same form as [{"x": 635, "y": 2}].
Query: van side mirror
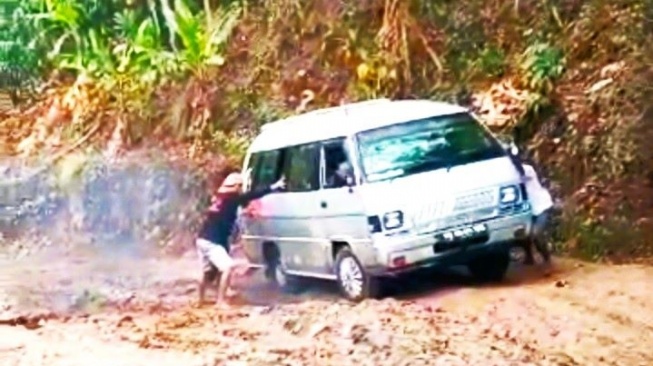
[
  {"x": 509, "y": 145},
  {"x": 350, "y": 181},
  {"x": 247, "y": 180},
  {"x": 513, "y": 149}
]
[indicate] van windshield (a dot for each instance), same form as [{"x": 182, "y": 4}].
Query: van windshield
[{"x": 424, "y": 145}]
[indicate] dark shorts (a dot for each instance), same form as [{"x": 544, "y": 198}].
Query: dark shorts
[{"x": 540, "y": 223}]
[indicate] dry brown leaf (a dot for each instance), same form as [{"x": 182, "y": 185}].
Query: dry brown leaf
[{"x": 501, "y": 104}]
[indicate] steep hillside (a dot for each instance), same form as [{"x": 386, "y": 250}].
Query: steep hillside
[{"x": 569, "y": 79}]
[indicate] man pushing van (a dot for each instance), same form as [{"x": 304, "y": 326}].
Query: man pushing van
[{"x": 213, "y": 238}]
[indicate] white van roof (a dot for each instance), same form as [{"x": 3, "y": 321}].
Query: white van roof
[{"x": 345, "y": 120}]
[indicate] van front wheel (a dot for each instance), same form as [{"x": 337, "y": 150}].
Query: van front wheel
[
  {"x": 354, "y": 283},
  {"x": 491, "y": 267}
]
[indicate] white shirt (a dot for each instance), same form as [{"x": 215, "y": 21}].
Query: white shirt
[{"x": 539, "y": 196}]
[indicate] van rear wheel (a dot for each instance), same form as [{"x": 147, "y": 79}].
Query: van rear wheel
[
  {"x": 276, "y": 273},
  {"x": 354, "y": 283}
]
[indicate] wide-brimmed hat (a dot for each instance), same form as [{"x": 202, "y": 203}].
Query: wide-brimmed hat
[{"x": 231, "y": 184}]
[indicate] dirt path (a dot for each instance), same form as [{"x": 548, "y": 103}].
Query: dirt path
[{"x": 120, "y": 309}]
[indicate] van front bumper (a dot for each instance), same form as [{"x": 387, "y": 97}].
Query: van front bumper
[{"x": 393, "y": 255}]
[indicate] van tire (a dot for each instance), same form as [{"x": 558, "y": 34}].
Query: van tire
[
  {"x": 275, "y": 273},
  {"x": 490, "y": 267},
  {"x": 348, "y": 268}
]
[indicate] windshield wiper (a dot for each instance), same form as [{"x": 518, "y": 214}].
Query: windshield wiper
[
  {"x": 472, "y": 157},
  {"x": 382, "y": 173},
  {"x": 426, "y": 165}
]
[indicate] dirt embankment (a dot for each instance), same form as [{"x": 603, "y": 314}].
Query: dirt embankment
[{"x": 117, "y": 308}]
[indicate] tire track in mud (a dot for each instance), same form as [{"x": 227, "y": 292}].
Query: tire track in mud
[
  {"x": 614, "y": 318},
  {"x": 584, "y": 314},
  {"x": 610, "y": 342},
  {"x": 404, "y": 333},
  {"x": 576, "y": 316},
  {"x": 499, "y": 321}
]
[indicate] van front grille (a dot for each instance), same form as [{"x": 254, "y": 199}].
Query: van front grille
[
  {"x": 428, "y": 213},
  {"x": 476, "y": 200},
  {"x": 474, "y": 206}
]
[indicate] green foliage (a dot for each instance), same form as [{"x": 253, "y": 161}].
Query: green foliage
[
  {"x": 542, "y": 64},
  {"x": 106, "y": 38},
  {"x": 234, "y": 146},
  {"x": 19, "y": 62},
  {"x": 203, "y": 42},
  {"x": 492, "y": 62}
]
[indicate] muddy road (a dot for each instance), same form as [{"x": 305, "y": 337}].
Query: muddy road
[{"x": 107, "y": 308}]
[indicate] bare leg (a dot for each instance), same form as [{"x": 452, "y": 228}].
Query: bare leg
[
  {"x": 206, "y": 270},
  {"x": 541, "y": 239},
  {"x": 529, "y": 243},
  {"x": 225, "y": 283},
  {"x": 216, "y": 283},
  {"x": 222, "y": 260},
  {"x": 528, "y": 251},
  {"x": 202, "y": 292},
  {"x": 208, "y": 279},
  {"x": 543, "y": 249}
]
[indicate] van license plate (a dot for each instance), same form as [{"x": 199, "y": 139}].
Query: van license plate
[{"x": 464, "y": 234}]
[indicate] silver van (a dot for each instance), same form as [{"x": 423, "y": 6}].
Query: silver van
[{"x": 381, "y": 188}]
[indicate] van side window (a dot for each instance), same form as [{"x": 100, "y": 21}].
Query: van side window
[
  {"x": 266, "y": 168},
  {"x": 302, "y": 168},
  {"x": 337, "y": 164}
]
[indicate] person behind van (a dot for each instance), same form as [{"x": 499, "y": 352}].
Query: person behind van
[
  {"x": 541, "y": 203},
  {"x": 213, "y": 238}
]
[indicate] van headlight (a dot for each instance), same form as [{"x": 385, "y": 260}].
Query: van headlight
[
  {"x": 509, "y": 194},
  {"x": 393, "y": 220}
]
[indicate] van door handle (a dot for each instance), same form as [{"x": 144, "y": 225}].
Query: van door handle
[{"x": 323, "y": 204}]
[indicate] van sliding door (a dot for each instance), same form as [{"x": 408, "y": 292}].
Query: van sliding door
[{"x": 296, "y": 209}]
